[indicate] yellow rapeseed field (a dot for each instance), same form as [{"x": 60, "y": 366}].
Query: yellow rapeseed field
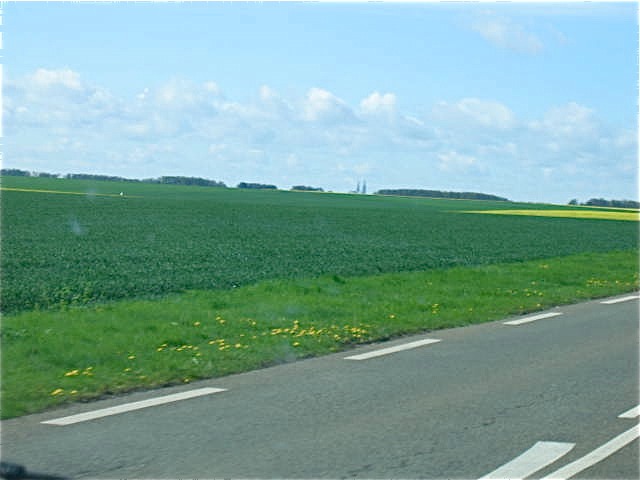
[{"x": 629, "y": 215}]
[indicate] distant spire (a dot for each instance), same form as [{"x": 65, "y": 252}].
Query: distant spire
[{"x": 358, "y": 187}]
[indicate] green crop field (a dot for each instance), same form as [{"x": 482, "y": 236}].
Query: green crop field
[
  {"x": 69, "y": 249},
  {"x": 104, "y": 293}
]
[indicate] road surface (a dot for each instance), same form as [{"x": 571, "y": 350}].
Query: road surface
[{"x": 555, "y": 395}]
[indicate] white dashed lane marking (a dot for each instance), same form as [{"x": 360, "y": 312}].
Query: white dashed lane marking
[
  {"x": 128, "y": 407},
  {"x": 619, "y": 300},
  {"x": 631, "y": 413},
  {"x": 534, "y": 459},
  {"x": 390, "y": 350},
  {"x": 597, "y": 455},
  {"x": 545, "y": 453},
  {"x": 533, "y": 318}
]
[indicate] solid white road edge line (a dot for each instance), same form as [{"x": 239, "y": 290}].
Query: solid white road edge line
[
  {"x": 631, "y": 413},
  {"x": 618, "y": 300},
  {"x": 387, "y": 351},
  {"x": 128, "y": 407},
  {"x": 533, "y": 318},
  {"x": 597, "y": 455},
  {"x": 534, "y": 459}
]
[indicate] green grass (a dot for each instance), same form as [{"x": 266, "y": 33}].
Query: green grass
[
  {"x": 68, "y": 249},
  {"x": 55, "y": 356}
]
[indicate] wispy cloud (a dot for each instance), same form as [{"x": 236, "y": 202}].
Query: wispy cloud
[
  {"x": 505, "y": 33},
  {"x": 568, "y": 122},
  {"x": 379, "y": 104},
  {"x": 475, "y": 111}
]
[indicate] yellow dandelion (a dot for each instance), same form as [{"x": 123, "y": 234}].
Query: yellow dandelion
[
  {"x": 57, "y": 391},
  {"x": 131, "y": 357},
  {"x": 296, "y": 344},
  {"x": 196, "y": 324},
  {"x": 72, "y": 373}
]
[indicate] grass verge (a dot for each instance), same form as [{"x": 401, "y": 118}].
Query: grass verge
[{"x": 51, "y": 357}]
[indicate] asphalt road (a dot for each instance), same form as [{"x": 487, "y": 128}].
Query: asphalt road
[{"x": 463, "y": 407}]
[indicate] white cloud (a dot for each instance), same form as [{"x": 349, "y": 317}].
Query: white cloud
[
  {"x": 627, "y": 138},
  {"x": 215, "y": 149},
  {"x": 142, "y": 96},
  {"x": 138, "y": 129},
  {"x": 508, "y": 148},
  {"x": 212, "y": 87},
  {"x": 504, "y": 33},
  {"x": 567, "y": 121},
  {"x": 49, "y": 78},
  {"x": 474, "y": 111},
  {"x": 272, "y": 106},
  {"x": 176, "y": 93},
  {"x": 267, "y": 94},
  {"x": 377, "y": 103},
  {"x": 454, "y": 161},
  {"x": 321, "y": 104}
]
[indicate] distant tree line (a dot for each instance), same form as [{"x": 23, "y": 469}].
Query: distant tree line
[
  {"x": 169, "y": 180},
  {"x": 601, "y": 202},
  {"x": 259, "y": 186},
  {"x": 14, "y": 172},
  {"x": 305, "y": 188},
  {"x": 102, "y": 178},
  {"x": 441, "y": 194},
  {"x": 200, "y": 182}
]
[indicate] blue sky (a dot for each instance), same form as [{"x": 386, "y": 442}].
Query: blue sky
[{"x": 534, "y": 102}]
